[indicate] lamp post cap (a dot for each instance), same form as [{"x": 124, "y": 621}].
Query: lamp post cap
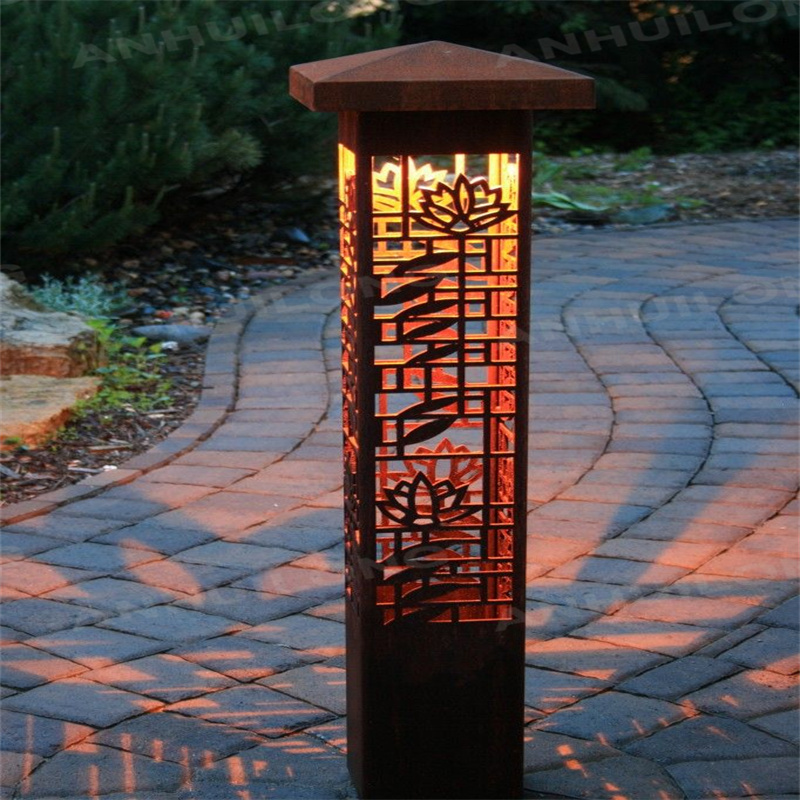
[{"x": 436, "y": 76}]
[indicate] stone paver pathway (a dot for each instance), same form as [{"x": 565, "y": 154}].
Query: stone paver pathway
[{"x": 181, "y": 636}]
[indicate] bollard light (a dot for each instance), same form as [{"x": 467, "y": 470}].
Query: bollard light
[{"x": 434, "y": 189}]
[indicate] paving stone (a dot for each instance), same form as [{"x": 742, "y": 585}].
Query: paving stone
[
  {"x": 255, "y": 708},
  {"x": 552, "y": 551},
  {"x": 303, "y": 539},
  {"x": 677, "y": 678},
  {"x": 786, "y": 615},
  {"x": 21, "y": 545},
  {"x": 601, "y": 597},
  {"x": 96, "y": 647},
  {"x": 707, "y": 738},
  {"x": 613, "y": 717},
  {"x": 319, "y": 684},
  {"x": 334, "y": 610},
  {"x": 316, "y": 636},
  {"x": 244, "y": 605},
  {"x": 584, "y": 532},
  {"x": 182, "y": 576},
  {"x": 551, "y": 751},
  {"x": 754, "y": 591},
  {"x": 739, "y": 778},
  {"x": 784, "y": 724},
  {"x": 151, "y": 536},
  {"x": 216, "y": 476},
  {"x": 769, "y": 544},
  {"x": 614, "y": 518},
  {"x": 676, "y": 554},
  {"x": 244, "y": 659},
  {"x": 35, "y": 578},
  {"x": 665, "y": 607},
  {"x": 16, "y": 768},
  {"x": 171, "y": 624},
  {"x": 298, "y": 767},
  {"x": 23, "y": 667},
  {"x": 106, "y": 508},
  {"x": 549, "y": 691},
  {"x": 94, "y": 770},
  {"x": 752, "y": 693},
  {"x": 225, "y": 459},
  {"x": 543, "y": 621},
  {"x": 593, "y": 659},
  {"x": 248, "y": 557},
  {"x": 742, "y": 564},
  {"x": 170, "y": 495},
  {"x": 113, "y": 595},
  {"x": 329, "y": 560},
  {"x": 651, "y": 496},
  {"x": 606, "y": 779},
  {"x": 97, "y": 557},
  {"x": 735, "y": 496},
  {"x": 669, "y": 638},
  {"x": 26, "y": 733},
  {"x": 308, "y": 584},
  {"x": 174, "y": 737},
  {"x": 227, "y": 511},
  {"x": 773, "y": 649},
  {"x": 37, "y": 616},
  {"x": 59, "y": 525},
  {"x": 618, "y": 570},
  {"x": 164, "y": 677},
  {"x": 681, "y": 530},
  {"x": 82, "y": 701},
  {"x": 714, "y": 512}
]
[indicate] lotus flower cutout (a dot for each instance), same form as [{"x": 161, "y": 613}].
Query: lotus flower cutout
[
  {"x": 462, "y": 465},
  {"x": 466, "y": 207},
  {"x": 387, "y": 185},
  {"x": 422, "y": 504}
]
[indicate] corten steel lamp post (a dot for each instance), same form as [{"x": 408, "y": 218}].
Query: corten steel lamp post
[{"x": 435, "y": 184}]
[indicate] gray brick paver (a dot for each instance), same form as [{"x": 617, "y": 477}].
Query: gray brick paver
[
  {"x": 92, "y": 770},
  {"x": 199, "y": 545},
  {"x": 82, "y": 701}
]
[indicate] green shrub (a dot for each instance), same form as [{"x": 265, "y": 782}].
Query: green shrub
[
  {"x": 110, "y": 105},
  {"x": 86, "y": 295}
]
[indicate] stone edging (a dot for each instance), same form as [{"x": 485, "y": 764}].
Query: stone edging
[{"x": 219, "y": 393}]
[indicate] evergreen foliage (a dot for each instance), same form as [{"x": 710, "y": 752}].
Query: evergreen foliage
[
  {"x": 110, "y": 105},
  {"x": 674, "y": 75}
]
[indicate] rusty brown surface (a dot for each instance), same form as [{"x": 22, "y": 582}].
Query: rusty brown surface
[{"x": 436, "y": 76}]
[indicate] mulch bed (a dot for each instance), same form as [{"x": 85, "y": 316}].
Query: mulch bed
[{"x": 214, "y": 254}]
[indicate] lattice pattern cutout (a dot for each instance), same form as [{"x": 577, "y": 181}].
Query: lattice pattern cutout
[{"x": 444, "y": 328}]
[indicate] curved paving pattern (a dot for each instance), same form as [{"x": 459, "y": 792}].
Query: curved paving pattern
[{"x": 181, "y": 636}]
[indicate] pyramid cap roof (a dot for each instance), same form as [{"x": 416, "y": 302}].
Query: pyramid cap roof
[{"x": 436, "y": 76}]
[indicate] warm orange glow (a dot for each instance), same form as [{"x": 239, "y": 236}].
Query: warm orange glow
[{"x": 441, "y": 300}]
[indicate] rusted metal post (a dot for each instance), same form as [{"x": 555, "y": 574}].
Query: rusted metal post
[{"x": 435, "y": 185}]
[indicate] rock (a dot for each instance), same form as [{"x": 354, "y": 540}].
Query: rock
[
  {"x": 646, "y": 215},
  {"x": 182, "y": 334},
  {"x": 35, "y": 341},
  {"x": 292, "y": 235},
  {"x": 36, "y": 406}
]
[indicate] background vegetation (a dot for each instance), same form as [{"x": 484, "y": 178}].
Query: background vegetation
[{"x": 114, "y": 108}]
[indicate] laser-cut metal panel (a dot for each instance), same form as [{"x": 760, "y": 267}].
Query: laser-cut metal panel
[{"x": 444, "y": 329}]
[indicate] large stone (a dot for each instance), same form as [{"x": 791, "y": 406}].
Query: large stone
[
  {"x": 35, "y": 341},
  {"x": 35, "y": 406}
]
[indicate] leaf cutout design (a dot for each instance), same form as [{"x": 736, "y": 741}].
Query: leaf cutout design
[
  {"x": 418, "y": 409},
  {"x": 424, "y": 309},
  {"x": 423, "y": 262},
  {"x": 409, "y": 291},
  {"x": 433, "y": 353},
  {"x": 428, "y": 430},
  {"x": 427, "y": 329}
]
